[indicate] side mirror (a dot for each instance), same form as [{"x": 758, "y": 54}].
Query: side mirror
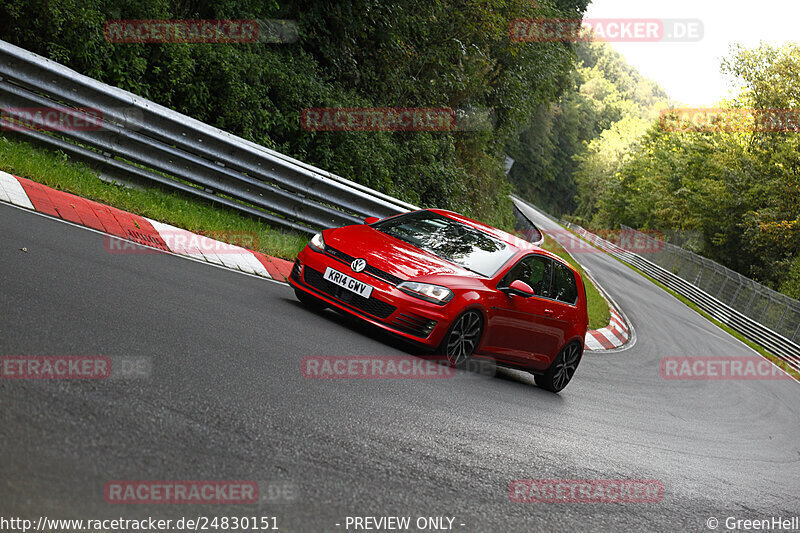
[
  {"x": 371, "y": 220},
  {"x": 520, "y": 288}
]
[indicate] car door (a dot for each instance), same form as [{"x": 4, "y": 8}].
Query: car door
[
  {"x": 564, "y": 311},
  {"x": 524, "y": 329}
]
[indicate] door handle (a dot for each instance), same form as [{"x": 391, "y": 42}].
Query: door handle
[{"x": 548, "y": 312}]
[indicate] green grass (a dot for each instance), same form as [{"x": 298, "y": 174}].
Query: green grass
[
  {"x": 599, "y": 314},
  {"x": 55, "y": 170}
]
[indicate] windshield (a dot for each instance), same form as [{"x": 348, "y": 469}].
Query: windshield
[{"x": 449, "y": 239}]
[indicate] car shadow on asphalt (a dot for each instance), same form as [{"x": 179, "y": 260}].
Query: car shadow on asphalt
[{"x": 478, "y": 368}]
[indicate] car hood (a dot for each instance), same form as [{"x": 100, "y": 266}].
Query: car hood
[{"x": 389, "y": 254}]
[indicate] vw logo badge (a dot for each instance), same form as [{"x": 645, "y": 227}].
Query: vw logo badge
[{"x": 358, "y": 265}]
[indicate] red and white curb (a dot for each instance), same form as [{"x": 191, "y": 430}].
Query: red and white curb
[
  {"x": 612, "y": 336},
  {"x": 618, "y": 334},
  {"x": 137, "y": 229}
]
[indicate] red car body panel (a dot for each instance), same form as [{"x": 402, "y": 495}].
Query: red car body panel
[{"x": 524, "y": 332}]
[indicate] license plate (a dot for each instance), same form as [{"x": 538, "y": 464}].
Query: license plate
[{"x": 346, "y": 282}]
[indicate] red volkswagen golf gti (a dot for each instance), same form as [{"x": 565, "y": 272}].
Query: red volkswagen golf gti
[{"x": 454, "y": 285}]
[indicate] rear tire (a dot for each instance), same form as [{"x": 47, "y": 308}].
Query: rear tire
[
  {"x": 561, "y": 369},
  {"x": 309, "y": 301},
  {"x": 462, "y": 339}
]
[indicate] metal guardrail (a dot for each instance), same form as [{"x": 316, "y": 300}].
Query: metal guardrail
[
  {"x": 141, "y": 141},
  {"x": 770, "y": 308},
  {"x": 771, "y": 340}
]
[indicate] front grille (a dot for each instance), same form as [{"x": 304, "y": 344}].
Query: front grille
[
  {"x": 414, "y": 324},
  {"x": 371, "y": 306},
  {"x": 371, "y": 270}
]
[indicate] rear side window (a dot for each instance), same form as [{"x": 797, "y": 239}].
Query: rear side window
[{"x": 564, "y": 287}]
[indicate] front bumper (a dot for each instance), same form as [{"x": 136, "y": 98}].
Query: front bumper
[{"x": 387, "y": 307}]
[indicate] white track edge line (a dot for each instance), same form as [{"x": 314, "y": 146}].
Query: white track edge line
[{"x": 167, "y": 252}]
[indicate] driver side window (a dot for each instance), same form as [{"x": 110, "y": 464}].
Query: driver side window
[{"x": 534, "y": 270}]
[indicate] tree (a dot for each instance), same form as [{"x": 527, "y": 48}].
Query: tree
[
  {"x": 559, "y": 152},
  {"x": 739, "y": 189}
]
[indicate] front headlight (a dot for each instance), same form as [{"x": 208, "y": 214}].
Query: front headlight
[
  {"x": 431, "y": 293},
  {"x": 317, "y": 243}
]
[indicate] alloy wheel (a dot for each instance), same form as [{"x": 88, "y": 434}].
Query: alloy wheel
[
  {"x": 463, "y": 338},
  {"x": 566, "y": 365}
]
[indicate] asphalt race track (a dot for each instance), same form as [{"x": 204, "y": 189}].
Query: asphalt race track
[{"x": 225, "y": 400}]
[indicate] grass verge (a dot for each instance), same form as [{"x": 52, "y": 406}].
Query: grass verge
[{"x": 55, "y": 170}]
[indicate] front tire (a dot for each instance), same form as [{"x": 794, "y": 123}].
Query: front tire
[
  {"x": 462, "y": 339},
  {"x": 562, "y": 368}
]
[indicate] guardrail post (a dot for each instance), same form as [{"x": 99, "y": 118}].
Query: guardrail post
[
  {"x": 722, "y": 287},
  {"x": 783, "y": 315},
  {"x": 737, "y": 291},
  {"x": 750, "y": 302},
  {"x": 766, "y": 308}
]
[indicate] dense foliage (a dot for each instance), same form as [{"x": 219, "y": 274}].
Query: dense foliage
[
  {"x": 739, "y": 189},
  {"x": 571, "y": 144},
  {"x": 446, "y": 53},
  {"x": 733, "y": 196}
]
